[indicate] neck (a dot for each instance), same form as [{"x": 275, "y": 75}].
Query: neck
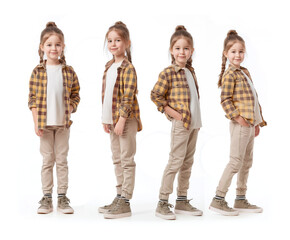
[
  {"x": 119, "y": 58},
  {"x": 181, "y": 65},
  {"x": 52, "y": 62}
]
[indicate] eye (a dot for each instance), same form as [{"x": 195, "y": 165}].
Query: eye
[{"x": 177, "y": 48}]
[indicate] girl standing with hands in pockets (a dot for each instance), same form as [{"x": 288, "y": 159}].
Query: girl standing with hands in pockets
[
  {"x": 53, "y": 96},
  {"x": 176, "y": 94},
  {"x": 240, "y": 103},
  {"x": 121, "y": 117}
]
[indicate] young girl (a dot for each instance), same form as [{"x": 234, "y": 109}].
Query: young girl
[
  {"x": 240, "y": 102},
  {"x": 176, "y": 94},
  {"x": 121, "y": 117},
  {"x": 53, "y": 96}
]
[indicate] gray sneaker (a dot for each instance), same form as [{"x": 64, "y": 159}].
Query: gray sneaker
[
  {"x": 63, "y": 205},
  {"x": 121, "y": 209},
  {"x": 221, "y": 206},
  {"x": 106, "y": 208},
  {"x": 184, "y": 207},
  {"x": 45, "y": 205},
  {"x": 163, "y": 211},
  {"x": 245, "y": 206}
]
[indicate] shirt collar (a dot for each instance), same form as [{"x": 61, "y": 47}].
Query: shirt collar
[
  {"x": 125, "y": 63},
  {"x": 43, "y": 64},
  {"x": 178, "y": 68},
  {"x": 233, "y": 68}
]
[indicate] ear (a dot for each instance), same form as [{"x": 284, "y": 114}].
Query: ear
[
  {"x": 41, "y": 47},
  {"x": 192, "y": 50},
  {"x": 225, "y": 54},
  {"x": 128, "y": 44}
]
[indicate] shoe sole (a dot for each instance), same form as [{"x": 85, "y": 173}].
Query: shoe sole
[
  {"x": 195, "y": 213},
  {"x": 65, "y": 211},
  {"x": 115, "y": 216},
  {"x": 260, "y": 210},
  {"x": 225, "y": 213},
  {"x": 166, "y": 217},
  {"x": 44, "y": 211}
]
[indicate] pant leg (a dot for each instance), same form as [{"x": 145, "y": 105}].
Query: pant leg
[
  {"x": 243, "y": 174},
  {"x": 47, "y": 152},
  {"x": 61, "y": 150},
  {"x": 179, "y": 141},
  {"x": 240, "y": 137},
  {"x": 116, "y": 156},
  {"x": 185, "y": 170},
  {"x": 128, "y": 150}
]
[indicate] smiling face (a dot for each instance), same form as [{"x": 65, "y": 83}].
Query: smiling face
[
  {"x": 116, "y": 45},
  {"x": 236, "y": 54},
  {"x": 181, "y": 51},
  {"x": 53, "y": 48}
]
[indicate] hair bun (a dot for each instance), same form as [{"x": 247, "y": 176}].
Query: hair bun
[
  {"x": 179, "y": 28},
  {"x": 120, "y": 23},
  {"x": 51, "y": 24},
  {"x": 232, "y": 32}
]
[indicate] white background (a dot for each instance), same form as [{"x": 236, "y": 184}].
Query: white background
[{"x": 264, "y": 25}]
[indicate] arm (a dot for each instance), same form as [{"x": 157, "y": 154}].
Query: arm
[
  {"x": 127, "y": 99},
  {"x": 38, "y": 132},
  {"x": 32, "y": 102},
  {"x": 228, "y": 85},
  {"x": 130, "y": 87},
  {"x": 159, "y": 92},
  {"x": 74, "y": 96}
]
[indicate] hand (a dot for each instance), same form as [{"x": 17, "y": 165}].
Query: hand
[
  {"x": 119, "y": 128},
  {"x": 172, "y": 113},
  {"x": 106, "y": 127},
  {"x": 257, "y": 130},
  {"x": 240, "y": 120},
  {"x": 38, "y": 132}
]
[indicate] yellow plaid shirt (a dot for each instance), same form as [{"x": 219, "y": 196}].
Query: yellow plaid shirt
[
  {"x": 236, "y": 95},
  {"x": 38, "y": 91},
  {"x": 172, "y": 89},
  {"x": 124, "y": 102}
]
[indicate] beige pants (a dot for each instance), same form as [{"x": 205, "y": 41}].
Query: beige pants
[
  {"x": 183, "y": 144},
  {"x": 123, "y": 151},
  {"x": 54, "y": 148},
  {"x": 241, "y": 159}
]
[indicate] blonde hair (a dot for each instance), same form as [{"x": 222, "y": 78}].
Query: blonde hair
[
  {"x": 181, "y": 32},
  {"x": 123, "y": 31},
  {"x": 51, "y": 29},
  {"x": 230, "y": 40}
]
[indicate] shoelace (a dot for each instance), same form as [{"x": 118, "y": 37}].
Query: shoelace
[
  {"x": 187, "y": 201},
  {"x": 224, "y": 203},
  {"x": 44, "y": 201},
  {"x": 166, "y": 206},
  {"x": 64, "y": 201}
]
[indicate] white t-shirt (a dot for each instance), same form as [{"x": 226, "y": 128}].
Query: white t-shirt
[
  {"x": 257, "y": 113},
  {"x": 111, "y": 77},
  {"x": 194, "y": 101},
  {"x": 55, "y": 96}
]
